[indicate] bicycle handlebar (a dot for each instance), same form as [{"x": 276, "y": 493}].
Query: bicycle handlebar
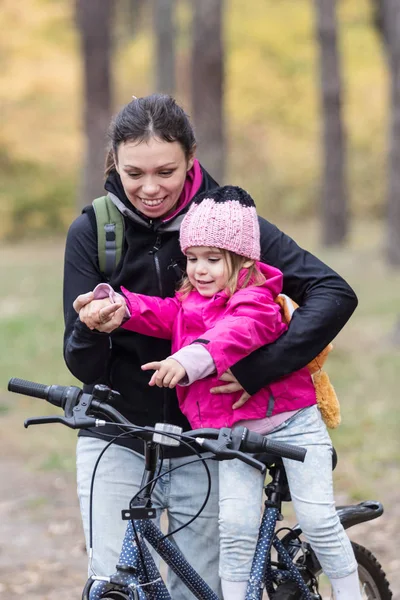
[
  {"x": 224, "y": 443},
  {"x": 51, "y": 393}
]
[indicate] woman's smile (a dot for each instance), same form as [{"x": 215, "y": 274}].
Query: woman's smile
[{"x": 152, "y": 202}]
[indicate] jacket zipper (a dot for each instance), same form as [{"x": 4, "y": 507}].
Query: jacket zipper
[
  {"x": 199, "y": 413},
  {"x": 153, "y": 251},
  {"x": 177, "y": 270}
]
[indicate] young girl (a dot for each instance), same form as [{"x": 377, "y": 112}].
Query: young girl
[{"x": 223, "y": 311}]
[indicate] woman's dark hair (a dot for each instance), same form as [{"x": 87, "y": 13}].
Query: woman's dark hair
[{"x": 157, "y": 115}]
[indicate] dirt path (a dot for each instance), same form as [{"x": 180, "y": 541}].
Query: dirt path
[
  {"x": 40, "y": 535},
  {"x": 41, "y": 541}
]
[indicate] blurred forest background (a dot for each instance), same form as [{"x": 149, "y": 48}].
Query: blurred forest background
[
  {"x": 298, "y": 102},
  {"x": 271, "y": 121}
]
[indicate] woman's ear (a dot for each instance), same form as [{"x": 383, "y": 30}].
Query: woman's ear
[{"x": 191, "y": 158}]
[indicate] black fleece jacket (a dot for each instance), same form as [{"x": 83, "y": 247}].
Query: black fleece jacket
[{"x": 153, "y": 264}]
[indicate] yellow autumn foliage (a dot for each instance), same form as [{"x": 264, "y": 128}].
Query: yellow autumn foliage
[{"x": 271, "y": 96}]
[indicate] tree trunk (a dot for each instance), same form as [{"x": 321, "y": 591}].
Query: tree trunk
[
  {"x": 164, "y": 30},
  {"x": 390, "y": 10},
  {"x": 208, "y": 85},
  {"x": 94, "y": 20},
  {"x": 387, "y": 15},
  {"x": 334, "y": 213},
  {"x": 393, "y": 201}
]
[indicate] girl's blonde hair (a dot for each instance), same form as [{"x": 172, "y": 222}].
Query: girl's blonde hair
[{"x": 235, "y": 263}]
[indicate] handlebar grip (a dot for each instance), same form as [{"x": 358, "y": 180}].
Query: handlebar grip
[
  {"x": 55, "y": 394},
  {"x": 28, "y": 388},
  {"x": 285, "y": 450}
]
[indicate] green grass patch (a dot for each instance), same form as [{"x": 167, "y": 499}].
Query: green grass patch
[
  {"x": 4, "y": 408},
  {"x": 58, "y": 461},
  {"x": 31, "y": 317},
  {"x": 31, "y": 323},
  {"x": 36, "y": 503}
]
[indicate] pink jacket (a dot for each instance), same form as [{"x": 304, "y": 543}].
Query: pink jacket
[{"x": 229, "y": 328}]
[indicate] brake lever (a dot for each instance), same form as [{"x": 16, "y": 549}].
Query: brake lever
[
  {"x": 78, "y": 418},
  {"x": 75, "y": 415},
  {"x": 72, "y": 422},
  {"x": 253, "y": 462},
  {"x": 41, "y": 420}
]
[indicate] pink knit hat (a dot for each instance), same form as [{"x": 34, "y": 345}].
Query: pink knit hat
[{"x": 224, "y": 218}]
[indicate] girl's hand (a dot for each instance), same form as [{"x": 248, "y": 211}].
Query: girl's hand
[
  {"x": 90, "y": 312},
  {"x": 168, "y": 372},
  {"x": 111, "y": 317},
  {"x": 232, "y": 386}
]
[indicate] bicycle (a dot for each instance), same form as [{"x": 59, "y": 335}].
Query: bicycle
[{"x": 293, "y": 575}]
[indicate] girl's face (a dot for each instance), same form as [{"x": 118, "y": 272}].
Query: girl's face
[
  {"x": 207, "y": 269},
  {"x": 153, "y": 174}
]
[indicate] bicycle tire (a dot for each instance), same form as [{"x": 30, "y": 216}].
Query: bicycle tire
[
  {"x": 371, "y": 574},
  {"x": 373, "y": 582}
]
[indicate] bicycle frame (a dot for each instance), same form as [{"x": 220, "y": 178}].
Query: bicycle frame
[
  {"x": 137, "y": 570},
  {"x": 137, "y": 573},
  {"x": 131, "y": 576},
  {"x": 131, "y": 573}
]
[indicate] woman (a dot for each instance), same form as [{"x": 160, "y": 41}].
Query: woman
[{"x": 152, "y": 181}]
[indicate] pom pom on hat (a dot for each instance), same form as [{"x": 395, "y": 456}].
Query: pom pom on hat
[{"x": 223, "y": 218}]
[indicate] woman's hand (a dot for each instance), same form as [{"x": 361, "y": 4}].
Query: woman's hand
[
  {"x": 168, "y": 372},
  {"x": 232, "y": 386},
  {"x": 102, "y": 315}
]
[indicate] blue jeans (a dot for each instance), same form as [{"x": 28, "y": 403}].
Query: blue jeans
[
  {"x": 181, "y": 493},
  {"x": 311, "y": 489}
]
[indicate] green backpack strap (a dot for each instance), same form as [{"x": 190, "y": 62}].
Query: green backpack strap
[{"x": 110, "y": 234}]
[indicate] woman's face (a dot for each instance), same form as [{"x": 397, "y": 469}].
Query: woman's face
[{"x": 153, "y": 173}]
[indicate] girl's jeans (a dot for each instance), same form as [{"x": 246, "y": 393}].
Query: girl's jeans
[
  {"x": 181, "y": 493},
  {"x": 311, "y": 489}
]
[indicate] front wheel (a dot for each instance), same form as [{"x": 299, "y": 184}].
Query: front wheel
[{"x": 373, "y": 582}]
